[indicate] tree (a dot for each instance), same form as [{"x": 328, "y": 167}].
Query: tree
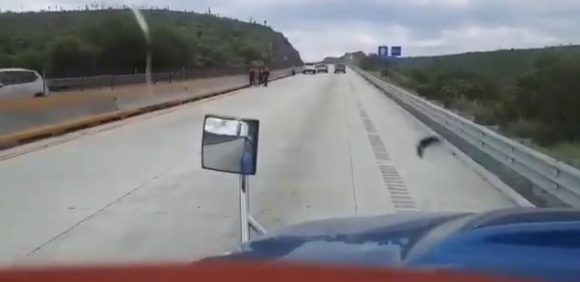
[
  {"x": 68, "y": 56},
  {"x": 372, "y": 63},
  {"x": 7, "y": 61},
  {"x": 123, "y": 45},
  {"x": 96, "y": 41},
  {"x": 166, "y": 38},
  {"x": 31, "y": 59},
  {"x": 250, "y": 53},
  {"x": 550, "y": 96}
]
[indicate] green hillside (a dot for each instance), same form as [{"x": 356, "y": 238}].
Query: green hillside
[
  {"x": 530, "y": 94},
  {"x": 502, "y": 66},
  {"x": 91, "y": 42}
]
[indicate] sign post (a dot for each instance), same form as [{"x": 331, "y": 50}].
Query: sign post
[
  {"x": 388, "y": 59},
  {"x": 396, "y": 53},
  {"x": 384, "y": 57}
]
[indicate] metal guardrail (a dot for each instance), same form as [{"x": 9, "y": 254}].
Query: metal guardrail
[
  {"x": 542, "y": 179},
  {"x": 112, "y": 81}
]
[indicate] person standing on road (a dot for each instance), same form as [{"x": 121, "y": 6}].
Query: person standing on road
[
  {"x": 252, "y": 75},
  {"x": 260, "y": 75},
  {"x": 266, "y": 76}
]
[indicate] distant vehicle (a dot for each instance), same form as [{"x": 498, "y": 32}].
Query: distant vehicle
[
  {"x": 309, "y": 68},
  {"x": 21, "y": 83},
  {"x": 321, "y": 68},
  {"x": 339, "y": 68}
]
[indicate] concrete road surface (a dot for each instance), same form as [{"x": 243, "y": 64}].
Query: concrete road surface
[{"x": 331, "y": 146}]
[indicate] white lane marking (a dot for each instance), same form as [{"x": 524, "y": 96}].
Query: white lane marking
[{"x": 398, "y": 191}]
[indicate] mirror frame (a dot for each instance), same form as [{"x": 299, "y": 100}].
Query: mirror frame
[{"x": 255, "y": 153}]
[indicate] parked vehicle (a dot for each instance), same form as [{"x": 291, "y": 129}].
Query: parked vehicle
[
  {"x": 339, "y": 68},
  {"x": 21, "y": 83},
  {"x": 321, "y": 68},
  {"x": 309, "y": 68}
]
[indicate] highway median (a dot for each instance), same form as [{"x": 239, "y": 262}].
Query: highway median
[{"x": 24, "y": 121}]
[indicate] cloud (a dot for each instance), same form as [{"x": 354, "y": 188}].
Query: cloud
[
  {"x": 423, "y": 27},
  {"x": 427, "y": 27}
]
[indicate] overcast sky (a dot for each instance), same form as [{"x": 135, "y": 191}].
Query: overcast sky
[{"x": 319, "y": 28}]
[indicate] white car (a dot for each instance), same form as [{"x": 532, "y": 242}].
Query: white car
[
  {"x": 309, "y": 68},
  {"x": 21, "y": 83}
]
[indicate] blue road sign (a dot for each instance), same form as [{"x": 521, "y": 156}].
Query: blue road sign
[
  {"x": 383, "y": 51},
  {"x": 396, "y": 51}
]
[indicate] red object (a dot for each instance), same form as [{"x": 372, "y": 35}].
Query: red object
[{"x": 210, "y": 272}]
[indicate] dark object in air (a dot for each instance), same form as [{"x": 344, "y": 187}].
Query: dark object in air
[{"x": 426, "y": 142}]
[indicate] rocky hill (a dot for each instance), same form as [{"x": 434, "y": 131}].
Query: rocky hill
[
  {"x": 503, "y": 66},
  {"x": 347, "y": 58},
  {"x": 92, "y": 42}
]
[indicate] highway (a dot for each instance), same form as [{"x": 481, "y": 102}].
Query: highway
[{"x": 133, "y": 190}]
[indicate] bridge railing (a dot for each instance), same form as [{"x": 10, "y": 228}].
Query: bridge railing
[
  {"x": 113, "y": 81},
  {"x": 541, "y": 179}
]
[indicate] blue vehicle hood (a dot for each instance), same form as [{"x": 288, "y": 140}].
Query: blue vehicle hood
[{"x": 523, "y": 243}]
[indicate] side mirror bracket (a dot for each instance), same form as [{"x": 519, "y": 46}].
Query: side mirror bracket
[{"x": 230, "y": 145}]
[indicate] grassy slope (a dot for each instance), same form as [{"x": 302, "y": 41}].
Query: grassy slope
[
  {"x": 503, "y": 66},
  {"x": 29, "y": 36}
]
